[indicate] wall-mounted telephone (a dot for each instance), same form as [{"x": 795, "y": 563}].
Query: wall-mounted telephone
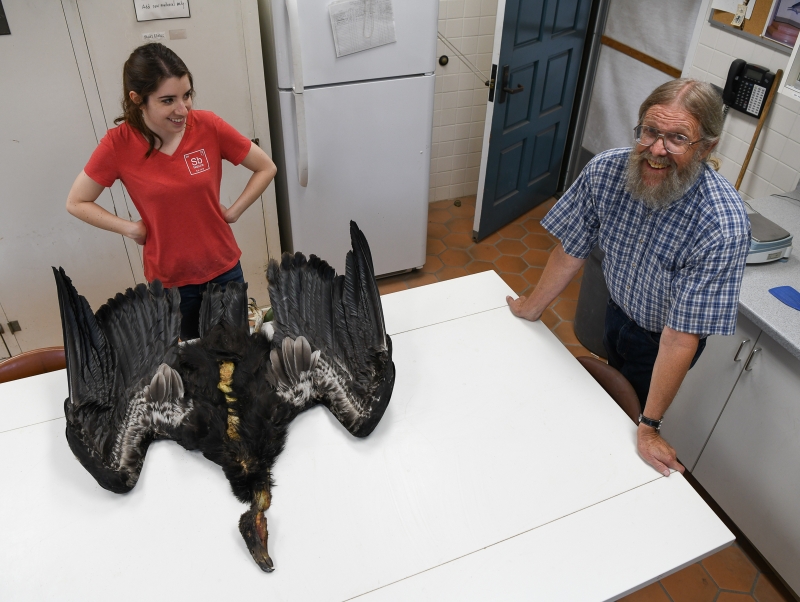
[{"x": 746, "y": 87}]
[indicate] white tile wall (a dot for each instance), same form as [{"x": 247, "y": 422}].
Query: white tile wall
[
  {"x": 460, "y": 101},
  {"x": 775, "y": 164}
]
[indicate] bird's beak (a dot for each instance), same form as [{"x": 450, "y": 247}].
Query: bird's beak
[{"x": 253, "y": 527}]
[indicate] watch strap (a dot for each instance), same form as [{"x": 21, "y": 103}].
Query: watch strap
[{"x": 656, "y": 424}]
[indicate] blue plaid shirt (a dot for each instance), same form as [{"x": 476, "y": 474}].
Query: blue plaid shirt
[{"x": 680, "y": 266}]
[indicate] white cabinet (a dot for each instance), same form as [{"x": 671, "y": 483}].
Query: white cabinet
[
  {"x": 751, "y": 464},
  {"x": 694, "y": 412},
  {"x": 47, "y": 136}
]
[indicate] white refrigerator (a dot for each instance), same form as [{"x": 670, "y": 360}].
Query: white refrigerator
[{"x": 351, "y": 134}]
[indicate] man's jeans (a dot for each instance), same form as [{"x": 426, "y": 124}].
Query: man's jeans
[
  {"x": 632, "y": 350},
  {"x": 192, "y": 297}
]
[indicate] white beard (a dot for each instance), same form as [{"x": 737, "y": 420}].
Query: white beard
[{"x": 673, "y": 187}]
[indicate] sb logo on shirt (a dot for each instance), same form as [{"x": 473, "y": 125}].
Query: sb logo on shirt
[{"x": 197, "y": 162}]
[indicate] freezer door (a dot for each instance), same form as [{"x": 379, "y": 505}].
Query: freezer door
[
  {"x": 414, "y": 51},
  {"x": 369, "y": 161}
]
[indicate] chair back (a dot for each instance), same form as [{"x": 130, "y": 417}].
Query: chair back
[
  {"x": 31, "y": 363},
  {"x": 616, "y": 385}
]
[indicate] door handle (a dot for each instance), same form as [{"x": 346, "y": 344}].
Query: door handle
[
  {"x": 505, "y": 89},
  {"x": 750, "y": 359},
  {"x": 739, "y": 350}
]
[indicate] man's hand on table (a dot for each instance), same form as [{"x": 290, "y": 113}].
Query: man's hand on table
[
  {"x": 656, "y": 451},
  {"x": 521, "y": 309}
]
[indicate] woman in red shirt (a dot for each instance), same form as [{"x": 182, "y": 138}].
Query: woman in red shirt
[{"x": 169, "y": 158}]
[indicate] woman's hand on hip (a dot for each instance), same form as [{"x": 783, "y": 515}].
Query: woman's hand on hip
[
  {"x": 138, "y": 232},
  {"x": 227, "y": 214}
]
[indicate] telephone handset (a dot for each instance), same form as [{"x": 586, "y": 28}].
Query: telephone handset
[{"x": 746, "y": 87}]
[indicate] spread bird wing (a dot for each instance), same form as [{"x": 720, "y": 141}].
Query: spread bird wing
[
  {"x": 123, "y": 392},
  {"x": 330, "y": 343}
]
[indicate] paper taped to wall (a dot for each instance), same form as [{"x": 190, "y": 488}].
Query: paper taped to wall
[{"x": 361, "y": 24}]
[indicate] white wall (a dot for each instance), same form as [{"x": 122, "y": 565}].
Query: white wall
[
  {"x": 461, "y": 98},
  {"x": 775, "y": 164}
]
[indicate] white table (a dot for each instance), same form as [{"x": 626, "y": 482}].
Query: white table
[{"x": 476, "y": 485}]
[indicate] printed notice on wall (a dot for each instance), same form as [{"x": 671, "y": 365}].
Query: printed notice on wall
[
  {"x": 150, "y": 10},
  {"x": 361, "y": 24}
]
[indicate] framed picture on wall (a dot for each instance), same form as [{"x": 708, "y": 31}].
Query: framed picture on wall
[{"x": 783, "y": 24}]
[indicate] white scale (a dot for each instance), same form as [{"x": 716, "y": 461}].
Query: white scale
[{"x": 768, "y": 241}]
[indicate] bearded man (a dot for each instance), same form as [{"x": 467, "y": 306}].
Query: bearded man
[{"x": 675, "y": 235}]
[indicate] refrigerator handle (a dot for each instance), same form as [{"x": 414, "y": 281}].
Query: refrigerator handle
[
  {"x": 297, "y": 91},
  {"x": 302, "y": 147}
]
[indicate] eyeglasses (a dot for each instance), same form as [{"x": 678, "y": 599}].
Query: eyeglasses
[{"x": 675, "y": 143}]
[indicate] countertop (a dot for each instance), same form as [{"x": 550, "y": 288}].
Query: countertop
[{"x": 779, "y": 321}]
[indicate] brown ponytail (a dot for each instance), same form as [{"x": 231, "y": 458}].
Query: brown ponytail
[{"x": 145, "y": 69}]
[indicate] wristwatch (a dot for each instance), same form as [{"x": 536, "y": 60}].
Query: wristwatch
[{"x": 656, "y": 424}]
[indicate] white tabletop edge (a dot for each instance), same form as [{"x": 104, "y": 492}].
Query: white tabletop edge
[{"x": 501, "y": 555}]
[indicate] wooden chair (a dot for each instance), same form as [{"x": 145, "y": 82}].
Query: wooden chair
[
  {"x": 616, "y": 385},
  {"x": 31, "y": 363}
]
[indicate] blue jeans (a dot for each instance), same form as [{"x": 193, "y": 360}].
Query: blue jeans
[
  {"x": 192, "y": 297},
  {"x": 632, "y": 350}
]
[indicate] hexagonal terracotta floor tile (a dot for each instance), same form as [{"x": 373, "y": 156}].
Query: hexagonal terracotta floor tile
[
  {"x": 731, "y": 569},
  {"x": 515, "y": 281},
  {"x": 514, "y": 231},
  {"x": 458, "y": 240},
  {"x": 534, "y": 226},
  {"x": 513, "y": 265},
  {"x": 388, "y": 286},
  {"x": 432, "y": 264},
  {"x": 491, "y": 239},
  {"x": 566, "y": 333},
  {"x": 691, "y": 583},
  {"x": 464, "y": 211},
  {"x": 550, "y": 319},
  {"x": 461, "y": 224},
  {"x": 435, "y": 246},
  {"x": 536, "y": 257},
  {"x": 455, "y": 257},
  {"x": 437, "y": 230},
  {"x": 450, "y": 272},
  {"x": 565, "y": 308},
  {"x": 510, "y": 247},
  {"x": 420, "y": 279},
  {"x": 439, "y": 215},
  {"x": 479, "y": 266},
  {"x": 538, "y": 241},
  {"x": 484, "y": 252}
]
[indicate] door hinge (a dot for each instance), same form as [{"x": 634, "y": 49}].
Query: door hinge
[
  {"x": 13, "y": 326},
  {"x": 255, "y": 141}
]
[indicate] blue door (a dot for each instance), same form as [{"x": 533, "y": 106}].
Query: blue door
[{"x": 530, "y": 107}]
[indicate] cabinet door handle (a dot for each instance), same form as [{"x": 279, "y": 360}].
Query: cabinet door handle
[
  {"x": 750, "y": 359},
  {"x": 736, "y": 357}
]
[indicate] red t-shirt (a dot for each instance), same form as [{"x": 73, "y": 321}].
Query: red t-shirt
[{"x": 188, "y": 240}]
